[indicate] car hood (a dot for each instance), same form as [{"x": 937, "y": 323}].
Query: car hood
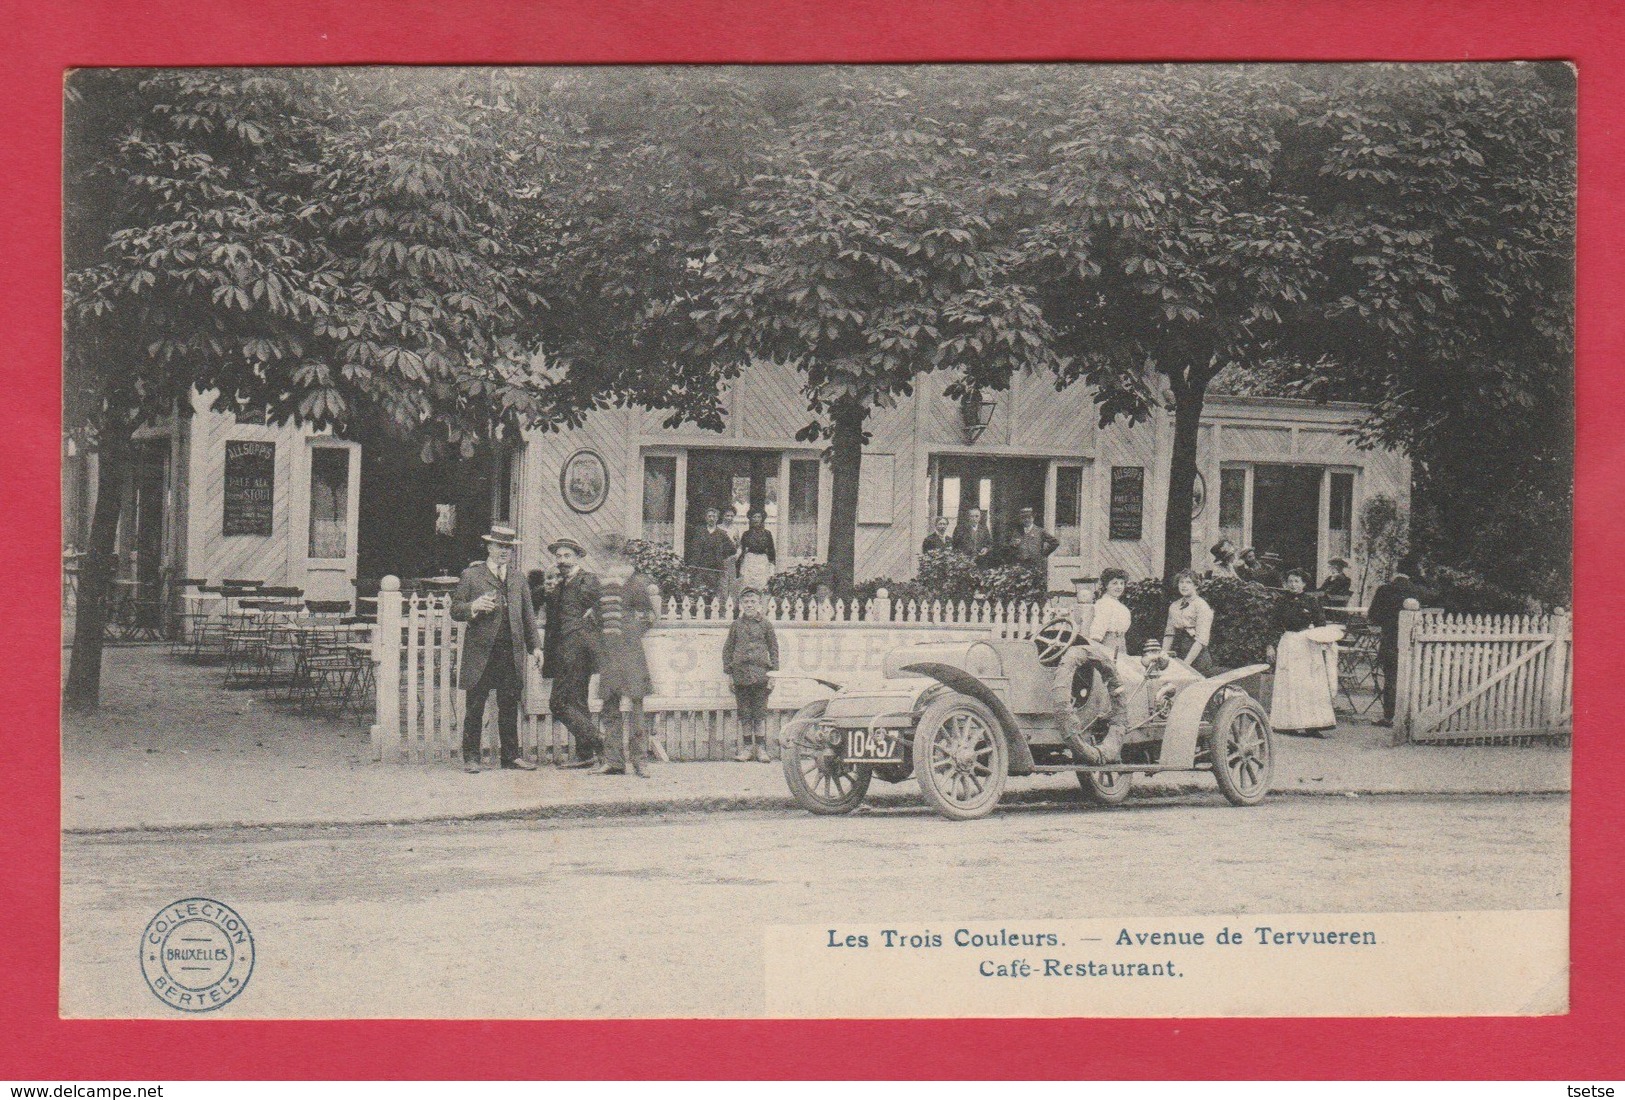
[{"x": 864, "y": 695}]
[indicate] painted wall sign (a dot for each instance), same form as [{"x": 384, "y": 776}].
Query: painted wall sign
[
  {"x": 584, "y": 481},
  {"x": 250, "y": 487},
  {"x": 1128, "y": 502}
]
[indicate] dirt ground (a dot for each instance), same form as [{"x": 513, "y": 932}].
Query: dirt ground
[{"x": 665, "y": 916}]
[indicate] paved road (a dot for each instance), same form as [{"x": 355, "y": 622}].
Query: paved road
[{"x": 663, "y": 916}]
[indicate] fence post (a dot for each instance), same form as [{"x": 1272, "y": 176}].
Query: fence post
[
  {"x": 1402, "y": 677},
  {"x": 882, "y": 606},
  {"x": 386, "y": 656},
  {"x": 1557, "y": 670}
]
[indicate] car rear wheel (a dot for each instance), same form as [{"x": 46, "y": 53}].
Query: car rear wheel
[
  {"x": 960, "y": 757},
  {"x": 1106, "y": 788},
  {"x": 818, "y": 780},
  {"x": 1242, "y": 748}
]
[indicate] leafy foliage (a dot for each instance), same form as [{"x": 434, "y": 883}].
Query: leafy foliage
[
  {"x": 661, "y": 564},
  {"x": 1241, "y": 617}
]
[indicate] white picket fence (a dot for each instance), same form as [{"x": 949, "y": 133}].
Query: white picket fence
[
  {"x": 416, "y": 646},
  {"x": 1474, "y": 678}
]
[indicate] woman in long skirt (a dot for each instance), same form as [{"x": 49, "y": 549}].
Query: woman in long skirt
[
  {"x": 757, "y": 555},
  {"x": 1305, "y": 665}
]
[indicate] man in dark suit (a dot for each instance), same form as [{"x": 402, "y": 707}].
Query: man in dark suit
[
  {"x": 1386, "y": 604},
  {"x": 571, "y": 641},
  {"x": 711, "y": 548},
  {"x": 1030, "y": 543},
  {"x": 493, "y": 599},
  {"x": 971, "y": 538},
  {"x": 938, "y": 538}
]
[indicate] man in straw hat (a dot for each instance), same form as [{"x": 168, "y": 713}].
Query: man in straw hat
[
  {"x": 492, "y": 598},
  {"x": 570, "y": 649}
]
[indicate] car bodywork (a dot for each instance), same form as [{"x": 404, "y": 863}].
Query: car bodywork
[{"x": 877, "y": 724}]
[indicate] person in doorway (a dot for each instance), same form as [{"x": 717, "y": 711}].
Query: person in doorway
[
  {"x": 1224, "y": 558},
  {"x": 1190, "y": 625},
  {"x": 712, "y": 549},
  {"x": 938, "y": 538},
  {"x": 971, "y": 536},
  {"x": 493, "y": 599},
  {"x": 1386, "y": 604},
  {"x": 1112, "y": 618},
  {"x": 757, "y": 554},
  {"x": 628, "y": 604},
  {"x": 1305, "y": 667},
  {"x": 750, "y": 652},
  {"x": 569, "y": 650},
  {"x": 1337, "y": 589},
  {"x": 1031, "y": 543}
]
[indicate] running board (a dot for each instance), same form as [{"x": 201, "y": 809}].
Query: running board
[{"x": 1146, "y": 768}]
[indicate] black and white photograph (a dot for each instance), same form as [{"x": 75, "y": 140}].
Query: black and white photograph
[{"x": 1032, "y": 540}]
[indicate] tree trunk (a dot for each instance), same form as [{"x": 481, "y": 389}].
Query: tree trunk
[
  {"x": 1176, "y": 526},
  {"x": 96, "y": 571},
  {"x": 845, "y": 465}
]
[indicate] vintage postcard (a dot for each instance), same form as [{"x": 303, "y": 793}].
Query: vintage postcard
[{"x": 1062, "y": 540}]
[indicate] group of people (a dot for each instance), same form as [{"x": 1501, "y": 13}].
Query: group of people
[
  {"x": 734, "y": 566},
  {"x": 1266, "y": 569},
  {"x": 590, "y": 623},
  {"x": 1304, "y": 653},
  {"x": 1026, "y": 542}
]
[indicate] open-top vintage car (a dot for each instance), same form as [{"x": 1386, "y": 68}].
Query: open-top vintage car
[{"x": 963, "y": 717}]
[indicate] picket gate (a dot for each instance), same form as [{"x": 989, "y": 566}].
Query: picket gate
[{"x": 1471, "y": 678}]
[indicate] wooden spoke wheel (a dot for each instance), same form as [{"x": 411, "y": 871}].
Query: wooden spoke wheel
[
  {"x": 960, "y": 757},
  {"x": 1242, "y": 749},
  {"x": 819, "y": 781}
]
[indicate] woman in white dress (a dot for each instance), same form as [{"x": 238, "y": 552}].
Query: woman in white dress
[
  {"x": 1111, "y": 620},
  {"x": 1305, "y": 663}
]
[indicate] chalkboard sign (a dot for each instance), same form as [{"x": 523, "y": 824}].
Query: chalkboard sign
[
  {"x": 1128, "y": 502},
  {"x": 250, "y": 483}
]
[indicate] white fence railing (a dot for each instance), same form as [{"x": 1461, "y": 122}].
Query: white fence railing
[
  {"x": 691, "y": 713},
  {"x": 1484, "y": 677}
]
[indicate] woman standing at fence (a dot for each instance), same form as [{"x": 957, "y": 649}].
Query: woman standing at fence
[
  {"x": 1190, "y": 625},
  {"x": 757, "y": 554},
  {"x": 1305, "y": 663},
  {"x": 1111, "y": 619},
  {"x": 628, "y": 603}
]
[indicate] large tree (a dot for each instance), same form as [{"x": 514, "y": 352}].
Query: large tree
[
  {"x": 354, "y": 249},
  {"x": 1168, "y": 250},
  {"x": 870, "y": 247}
]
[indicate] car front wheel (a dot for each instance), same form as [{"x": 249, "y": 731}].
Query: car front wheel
[
  {"x": 960, "y": 757},
  {"x": 818, "y": 779},
  {"x": 1242, "y": 748}
]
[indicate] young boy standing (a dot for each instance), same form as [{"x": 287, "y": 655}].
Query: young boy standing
[{"x": 749, "y": 654}]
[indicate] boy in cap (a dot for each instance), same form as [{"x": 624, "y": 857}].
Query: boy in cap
[{"x": 749, "y": 654}]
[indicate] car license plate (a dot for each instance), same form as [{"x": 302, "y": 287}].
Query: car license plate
[{"x": 878, "y": 746}]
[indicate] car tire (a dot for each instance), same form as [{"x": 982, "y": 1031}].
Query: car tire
[
  {"x": 960, "y": 757},
  {"x": 1106, "y": 788},
  {"x": 1242, "y": 749},
  {"x": 818, "y": 780}
]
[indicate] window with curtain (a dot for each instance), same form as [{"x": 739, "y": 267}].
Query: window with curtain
[
  {"x": 1069, "y": 510},
  {"x": 330, "y": 502},
  {"x": 802, "y": 535},
  {"x": 660, "y": 499},
  {"x": 1340, "y": 516},
  {"x": 1233, "y": 505}
]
